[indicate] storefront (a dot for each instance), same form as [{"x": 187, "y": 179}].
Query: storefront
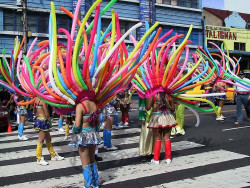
[{"x": 237, "y": 41}]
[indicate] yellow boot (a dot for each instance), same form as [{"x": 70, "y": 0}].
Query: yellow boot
[
  {"x": 40, "y": 159},
  {"x": 50, "y": 149},
  {"x": 66, "y": 132},
  {"x": 53, "y": 154},
  {"x": 219, "y": 116}
]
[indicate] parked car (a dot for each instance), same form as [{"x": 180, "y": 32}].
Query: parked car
[
  {"x": 4, "y": 119},
  {"x": 201, "y": 89}
]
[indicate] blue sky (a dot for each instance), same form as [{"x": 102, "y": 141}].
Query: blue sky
[{"x": 217, "y": 4}]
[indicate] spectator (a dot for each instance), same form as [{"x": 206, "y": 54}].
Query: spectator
[
  {"x": 242, "y": 97},
  {"x": 4, "y": 96}
]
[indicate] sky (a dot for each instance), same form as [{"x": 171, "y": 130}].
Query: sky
[
  {"x": 242, "y": 6},
  {"x": 218, "y": 4}
]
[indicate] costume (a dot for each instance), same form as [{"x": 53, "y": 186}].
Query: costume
[
  {"x": 87, "y": 136},
  {"x": 142, "y": 110},
  {"x": 146, "y": 142},
  {"x": 161, "y": 119},
  {"x": 124, "y": 106},
  {"x": 109, "y": 110},
  {"x": 219, "y": 89},
  {"x": 180, "y": 117},
  {"x": 42, "y": 124},
  {"x": 20, "y": 111}
]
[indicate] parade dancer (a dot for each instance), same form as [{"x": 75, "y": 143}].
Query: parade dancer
[
  {"x": 60, "y": 124},
  {"x": 69, "y": 123},
  {"x": 86, "y": 140},
  {"x": 30, "y": 109},
  {"x": 21, "y": 114},
  {"x": 124, "y": 106},
  {"x": 43, "y": 125},
  {"x": 161, "y": 121},
  {"x": 146, "y": 142},
  {"x": 220, "y": 99},
  {"x": 109, "y": 112},
  {"x": 115, "y": 103},
  {"x": 180, "y": 117}
]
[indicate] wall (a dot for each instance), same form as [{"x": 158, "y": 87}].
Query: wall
[
  {"x": 211, "y": 19},
  {"x": 235, "y": 20},
  {"x": 229, "y": 35}
]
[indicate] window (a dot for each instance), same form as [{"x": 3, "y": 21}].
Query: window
[
  {"x": 8, "y": 20},
  {"x": 240, "y": 46},
  {"x": 11, "y": 20},
  {"x": 63, "y": 22},
  {"x": 124, "y": 27},
  {"x": 32, "y": 22},
  {"x": 217, "y": 42},
  {"x": 166, "y": 2},
  {"x": 174, "y": 2},
  {"x": 182, "y": 3},
  {"x": 43, "y": 23}
]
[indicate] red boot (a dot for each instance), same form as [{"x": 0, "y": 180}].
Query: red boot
[
  {"x": 123, "y": 118},
  {"x": 168, "y": 151},
  {"x": 157, "y": 151}
]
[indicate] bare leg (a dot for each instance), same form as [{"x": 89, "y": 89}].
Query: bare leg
[
  {"x": 108, "y": 122},
  {"x": 22, "y": 119}
]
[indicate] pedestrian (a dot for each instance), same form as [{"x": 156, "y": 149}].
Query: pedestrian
[
  {"x": 21, "y": 114},
  {"x": 218, "y": 88},
  {"x": 161, "y": 121},
  {"x": 43, "y": 125},
  {"x": 87, "y": 139},
  {"x": 242, "y": 98},
  {"x": 4, "y": 96},
  {"x": 124, "y": 107}
]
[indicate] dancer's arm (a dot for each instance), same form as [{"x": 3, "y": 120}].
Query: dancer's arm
[
  {"x": 149, "y": 103},
  {"x": 78, "y": 118}
]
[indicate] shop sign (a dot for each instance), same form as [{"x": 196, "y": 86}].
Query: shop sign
[{"x": 220, "y": 33}]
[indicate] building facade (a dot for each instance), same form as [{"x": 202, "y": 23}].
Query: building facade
[
  {"x": 172, "y": 14},
  {"x": 231, "y": 27}
]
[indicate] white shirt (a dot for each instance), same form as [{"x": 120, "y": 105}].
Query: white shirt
[{"x": 240, "y": 88}]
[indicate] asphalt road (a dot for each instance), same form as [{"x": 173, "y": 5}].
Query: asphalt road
[{"x": 214, "y": 154}]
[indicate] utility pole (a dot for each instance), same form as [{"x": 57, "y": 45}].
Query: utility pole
[
  {"x": 25, "y": 25},
  {"x": 149, "y": 13}
]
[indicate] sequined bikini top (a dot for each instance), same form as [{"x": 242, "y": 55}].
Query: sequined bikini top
[{"x": 92, "y": 117}]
